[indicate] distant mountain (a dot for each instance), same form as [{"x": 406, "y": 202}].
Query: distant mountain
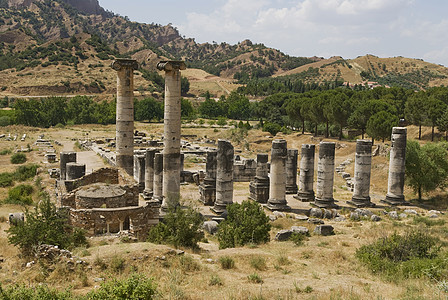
[{"x": 66, "y": 46}]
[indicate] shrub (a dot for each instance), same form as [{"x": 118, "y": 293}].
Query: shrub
[
  {"x": 246, "y": 223},
  {"x": 180, "y": 228},
  {"x": 297, "y": 238},
  {"x": 5, "y": 121},
  {"x": 272, "y": 128},
  {"x": 117, "y": 264},
  {"x": 18, "y": 158},
  {"x": 20, "y": 194},
  {"x": 5, "y": 152},
  {"x": 20, "y": 292},
  {"x": 215, "y": 280},
  {"x": 412, "y": 255},
  {"x": 428, "y": 222},
  {"x": 227, "y": 262},
  {"x": 137, "y": 286},
  {"x": 43, "y": 225},
  {"x": 6, "y": 179},
  {"x": 25, "y": 172}
]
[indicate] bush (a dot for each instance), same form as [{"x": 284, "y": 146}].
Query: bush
[
  {"x": 44, "y": 225},
  {"x": 20, "y": 194},
  {"x": 246, "y": 223},
  {"x": 272, "y": 128},
  {"x": 5, "y": 121},
  {"x": 258, "y": 263},
  {"x": 5, "y": 152},
  {"x": 18, "y": 158},
  {"x": 412, "y": 255},
  {"x": 227, "y": 262},
  {"x": 19, "y": 292},
  {"x": 26, "y": 172},
  {"x": 137, "y": 286},
  {"x": 297, "y": 238},
  {"x": 6, "y": 179},
  {"x": 255, "y": 278},
  {"x": 180, "y": 228}
]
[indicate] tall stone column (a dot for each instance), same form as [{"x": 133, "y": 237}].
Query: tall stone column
[
  {"x": 277, "y": 186},
  {"x": 207, "y": 189},
  {"x": 158, "y": 178},
  {"x": 395, "y": 186},
  {"x": 224, "y": 176},
  {"x": 139, "y": 171},
  {"x": 259, "y": 188},
  {"x": 125, "y": 113},
  {"x": 149, "y": 173},
  {"x": 306, "y": 177},
  {"x": 363, "y": 163},
  {"x": 325, "y": 176},
  {"x": 64, "y": 159},
  {"x": 291, "y": 171},
  {"x": 172, "y": 126}
]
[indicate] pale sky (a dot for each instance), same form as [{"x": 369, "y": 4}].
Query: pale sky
[{"x": 349, "y": 28}]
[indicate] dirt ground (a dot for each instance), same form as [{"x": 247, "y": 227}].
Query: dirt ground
[{"x": 322, "y": 268}]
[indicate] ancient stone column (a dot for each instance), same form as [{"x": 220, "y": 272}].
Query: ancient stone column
[
  {"x": 149, "y": 173},
  {"x": 259, "y": 188},
  {"x": 306, "y": 177},
  {"x": 75, "y": 170},
  {"x": 158, "y": 178},
  {"x": 125, "y": 113},
  {"x": 224, "y": 176},
  {"x": 207, "y": 189},
  {"x": 277, "y": 186},
  {"x": 291, "y": 171},
  {"x": 325, "y": 175},
  {"x": 139, "y": 171},
  {"x": 363, "y": 163},
  {"x": 397, "y": 167},
  {"x": 64, "y": 159},
  {"x": 172, "y": 126}
]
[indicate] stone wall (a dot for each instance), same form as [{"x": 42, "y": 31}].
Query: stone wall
[
  {"x": 244, "y": 170},
  {"x": 108, "y": 175}
]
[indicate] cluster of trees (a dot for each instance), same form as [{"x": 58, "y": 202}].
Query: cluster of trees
[{"x": 236, "y": 106}]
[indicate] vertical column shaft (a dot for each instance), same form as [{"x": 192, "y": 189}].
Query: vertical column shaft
[
  {"x": 277, "y": 186},
  {"x": 259, "y": 188},
  {"x": 208, "y": 188},
  {"x": 224, "y": 176},
  {"x": 397, "y": 162},
  {"x": 172, "y": 128},
  {"x": 139, "y": 171},
  {"x": 325, "y": 175},
  {"x": 125, "y": 113},
  {"x": 291, "y": 171},
  {"x": 363, "y": 163},
  {"x": 158, "y": 177},
  {"x": 306, "y": 177},
  {"x": 149, "y": 171}
]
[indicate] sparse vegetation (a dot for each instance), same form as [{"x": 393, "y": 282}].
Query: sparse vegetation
[
  {"x": 18, "y": 158},
  {"x": 227, "y": 262}
]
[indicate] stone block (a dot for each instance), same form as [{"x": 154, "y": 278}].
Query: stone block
[{"x": 324, "y": 230}]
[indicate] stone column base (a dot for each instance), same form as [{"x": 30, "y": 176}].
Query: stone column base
[
  {"x": 280, "y": 205},
  {"x": 305, "y": 196},
  {"x": 361, "y": 202},
  {"x": 324, "y": 203},
  {"x": 395, "y": 200},
  {"x": 219, "y": 208},
  {"x": 259, "y": 192},
  {"x": 207, "y": 194},
  {"x": 292, "y": 189}
]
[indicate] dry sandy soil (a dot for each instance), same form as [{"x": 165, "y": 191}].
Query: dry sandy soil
[{"x": 326, "y": 265}]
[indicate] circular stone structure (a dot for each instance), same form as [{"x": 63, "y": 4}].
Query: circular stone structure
[{"x": 100, "y": 195}]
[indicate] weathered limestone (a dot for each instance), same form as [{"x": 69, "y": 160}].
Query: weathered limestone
[
  {"x": 397, "y": 167},
  {"x": 158, "y": 178},
  {"x": 75, "y": 170},
  {"x": 259, "y": 188},
  {"x": 224, "y": 176},
  {"x": 306, "y": 177},
  {"x": 207, "y": 189},
  {"x": 291, "y": 171},
  {"x": 325, "y": 176},
  {"x": 149, "y": 173},
  {"x": 139, "y": 171},
  {"x": 363, "y": 163},
  {"x": 172, "y": 128},
  {"x": 64, "y": 159},
  {"x": 125, "y": 113},
  {"x": 277, "y": 186}
]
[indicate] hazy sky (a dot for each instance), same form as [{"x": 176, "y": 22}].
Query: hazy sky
[{"x": 349, "y": 28}]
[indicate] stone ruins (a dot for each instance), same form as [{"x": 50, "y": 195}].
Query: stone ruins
[{"x": 148, "y": 173}]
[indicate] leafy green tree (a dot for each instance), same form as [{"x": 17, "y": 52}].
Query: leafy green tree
[
  {"x": 442, "y": 123},
  {"x": 380, "y": 125},
  {"x": 339, "y": 110},
  {"x": 43, "y": 225},
  {"x": 434, "y": 110},
  {"x": 180, "y": 228},
  {"x": 148, "y": 109},
  {"x": 415, "y": 111},
  {"x": 245, "y": 223},
  {"x": 184, "y": 86},
  {"x": 238, "y": 107},
  {"x": 272, "y": 128},
  {"x": 426, "y": 166},
  {"x": 293, "y": 109},
  {"x": 187, "y": 109}
]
